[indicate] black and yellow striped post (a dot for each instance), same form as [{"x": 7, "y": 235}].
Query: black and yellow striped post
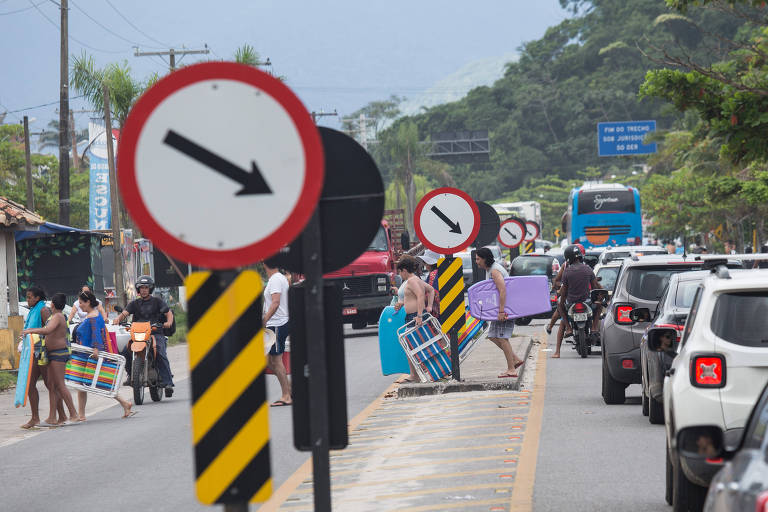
[
  {"x": 450, "y": 281},
  {"x": 528, "y": 247},
  {"x": 230, "y": 417}
]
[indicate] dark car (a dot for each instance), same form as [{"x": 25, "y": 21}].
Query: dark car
[
  {"x": 742, "y": 483},
  {"x": 671, "y": 312},
  {"x": 640, "y": 284},
  {"x": 535, "y": 265},
  {"x": 592, "y": 256}
]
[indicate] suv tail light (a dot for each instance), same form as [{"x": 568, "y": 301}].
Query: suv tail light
[
  {"x": 676, "y": 327},
  {"x": 579, "y": 307},
  {"x": 761, "y": 504},
  {"x": 622, "y": 314},
  {"x": 707, "y": 370}
]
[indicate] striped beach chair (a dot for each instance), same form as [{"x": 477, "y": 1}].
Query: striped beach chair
[
  {"x": 470, "y": 333},
  {"x": 428, "y": 349},
  {"x": 101, "y": 376}
]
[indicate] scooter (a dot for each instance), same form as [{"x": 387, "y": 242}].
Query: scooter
[{"x": 580, "y": 315}]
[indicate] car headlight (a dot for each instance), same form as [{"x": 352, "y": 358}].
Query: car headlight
[
  {"x": 382, "y": 287},
  {"x": 381, "y": 280},
  {"x": 140, "y": 336}
]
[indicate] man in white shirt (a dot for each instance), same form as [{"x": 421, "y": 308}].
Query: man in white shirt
[{"x": 275, "y": 318}]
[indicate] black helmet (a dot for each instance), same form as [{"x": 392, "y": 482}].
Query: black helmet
[
  {"x": 572, "y": 253},
  {"x": 145, "y": 281}
]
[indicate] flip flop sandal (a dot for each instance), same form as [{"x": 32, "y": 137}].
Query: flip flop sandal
[
  {"x": 548, "y": 329},
  {"x": 280, "y": 403},
  {"x": 48, "y": 425}
]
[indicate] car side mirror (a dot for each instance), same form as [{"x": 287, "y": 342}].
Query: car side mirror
[
  {"x": 640, "y": 315},
  {"x": 598, "y": 295},
  {"x": 599, "y": 279},
  {"x": 702, "y": 442},
  {"x": 661, "y": 339}
]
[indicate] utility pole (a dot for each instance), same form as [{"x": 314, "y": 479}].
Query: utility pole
[
  {"x": 30, "y": 195},
  {"x": 315, "y": 115},
  {"x": 172, "y": 53},
  {"x": 361, "y": 132},
  {"x": 72, "y": 131},
  {"x": 63, "y": 117},
  {"x": 116, "y": 242}
]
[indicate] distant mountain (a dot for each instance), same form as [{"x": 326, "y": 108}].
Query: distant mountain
[{"x": 456, "y": 85}]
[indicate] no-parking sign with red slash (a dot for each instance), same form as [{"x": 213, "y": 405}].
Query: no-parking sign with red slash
[
  {"x": 511, "y": 233},
  {"x": 220, "y": 165},
  {"x": 446, "y": 220}
]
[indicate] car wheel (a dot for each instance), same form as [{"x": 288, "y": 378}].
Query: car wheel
[
  {"x": 645, "y": 403},
  {"x": 523, "y": 321},
  {"x": 655, "y": 411},
  {"x": 613, "y": 390},
  {"x": 668, "y": 486},
  {"x": 686, "y": 496}
]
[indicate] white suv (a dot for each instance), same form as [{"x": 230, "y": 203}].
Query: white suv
[{"x": 720, "y": 367}]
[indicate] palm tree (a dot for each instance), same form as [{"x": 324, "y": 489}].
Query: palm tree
[{"x": 50, "y": 138}]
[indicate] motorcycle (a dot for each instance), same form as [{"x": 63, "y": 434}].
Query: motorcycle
[
  {"x": 580, "y": 315},
  {"x": 144, "y": 371}
]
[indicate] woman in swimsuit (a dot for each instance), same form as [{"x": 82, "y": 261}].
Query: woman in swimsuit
[
  {"x": 55, "y": 332},
  {"x": 92, "y": 332},
  {"x": 416, "y": 296}
]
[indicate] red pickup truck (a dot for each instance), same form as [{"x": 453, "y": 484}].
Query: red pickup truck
[{"x": 366, "y": 282}]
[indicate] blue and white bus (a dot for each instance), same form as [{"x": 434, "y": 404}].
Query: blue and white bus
[{"x": 601, "y": 214}]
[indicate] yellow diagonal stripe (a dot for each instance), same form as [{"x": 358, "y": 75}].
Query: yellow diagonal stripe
[
  {"x": 454, "y": 267},
  {"x": 446, "y": 300},
  {"x": 263, "y": 494},
  {"x": 243, "y": 291},
  {"x": 457, "y": 316},
  {"x": 234, "y": 458},
  {"x": 194, "y": 281},
  {"x": 228, "y": 387}
]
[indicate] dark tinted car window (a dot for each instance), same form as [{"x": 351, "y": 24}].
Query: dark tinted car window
[
  {"x": 648, "y": 283},
  {"x": 755, "y": 436},
  {"x": 531, "y": 266},
  {"x": 691, "y": 315},
  {"x": 590, "y": 260},
  {"x": 742, "y": 318},
  {"x": 610, "y": 256},
  {"x": 685, "y": 293},
  {"x": 608, "y": 275}
]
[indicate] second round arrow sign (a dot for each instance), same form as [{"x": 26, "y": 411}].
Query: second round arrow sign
[{"x": 446, "y": 220}]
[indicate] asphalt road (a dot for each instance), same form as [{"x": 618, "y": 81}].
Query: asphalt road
[
  {"x": 592, "y": 456},
  {"x": 145, "y": 462}
]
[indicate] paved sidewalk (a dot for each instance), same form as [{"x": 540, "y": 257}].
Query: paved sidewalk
[
  {"x": 479, "y": 371},
  {"x": 11, "y": 418}
]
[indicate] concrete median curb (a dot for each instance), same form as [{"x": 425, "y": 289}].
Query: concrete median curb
[{"x": 487, "y": 382}]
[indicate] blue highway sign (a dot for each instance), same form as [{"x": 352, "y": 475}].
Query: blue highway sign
[{"x": 624, "y": 138}]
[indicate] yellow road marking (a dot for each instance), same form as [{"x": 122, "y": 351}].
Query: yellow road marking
[
  {"x": 451, "y": 506},
  {"x": 425, "y": 440},
  {"x": 522, "y": 494},
  {"x": 456, "y": 414},
  {"x": 462, "y": 425},
  {"x": 439, "y": 462},
  {"x": 443, "y": 450},
  {"x": 301, "y": 474}
]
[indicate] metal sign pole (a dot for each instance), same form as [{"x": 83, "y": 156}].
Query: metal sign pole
[{"x": 318, "y": 381}]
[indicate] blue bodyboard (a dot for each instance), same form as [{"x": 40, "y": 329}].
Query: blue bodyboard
[
  {"x": 393, "y": 359},
  {"x": 25, "y": 371}
]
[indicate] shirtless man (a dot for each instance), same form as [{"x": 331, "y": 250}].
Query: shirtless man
[{"x": 414, "y": 298}]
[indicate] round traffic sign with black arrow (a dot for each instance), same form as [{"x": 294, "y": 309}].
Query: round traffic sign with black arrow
[
  {"x": 446, "y": 220},
  {"x": 351, "y": 205},
  {"x": 489, "y": 224},
  {"x": 532, "y": 230},
  {"x": 511, "y": 233}
]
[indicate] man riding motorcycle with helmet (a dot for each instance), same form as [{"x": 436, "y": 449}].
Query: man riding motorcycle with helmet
[
  {"x": 148, "y": 308},
  {"x": 578, "y": 279}
]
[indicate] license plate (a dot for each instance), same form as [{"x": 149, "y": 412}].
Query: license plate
[
  {"x": 348, "y": 311},
  {"x": 580, "y": 317}
]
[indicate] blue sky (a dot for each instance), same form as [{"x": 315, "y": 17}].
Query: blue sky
[{"x": 335, "y": 54}]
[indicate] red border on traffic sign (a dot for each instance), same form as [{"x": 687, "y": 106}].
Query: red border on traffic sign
[
  {"x": 294, "y": 222},
  {"x": 522, "y": 229},
  {"x": 420, "y": 207},
  {"x": 538, "y": 230}
]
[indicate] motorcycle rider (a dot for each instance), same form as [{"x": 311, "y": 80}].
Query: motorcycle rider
[
  {"x": 148, "y": 308},
  {"x": 578, "y": 279}
]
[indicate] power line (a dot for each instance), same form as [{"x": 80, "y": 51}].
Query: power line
[
  {"x": 84, "y": 45},
  {"x": 21, "y": 10},
  {"x": 103, "y": 26},
  {"x": 38, "y": 106},
  {"x": 162, "y": 44}
]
